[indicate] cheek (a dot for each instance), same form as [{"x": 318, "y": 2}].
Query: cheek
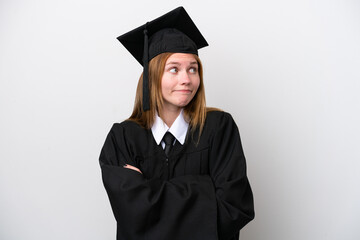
[
  {"x": 197, "y": 83},
  {"x": 164, "y": 84}
]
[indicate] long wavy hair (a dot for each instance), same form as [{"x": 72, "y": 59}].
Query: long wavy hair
[{"x": 194, "y": 112}]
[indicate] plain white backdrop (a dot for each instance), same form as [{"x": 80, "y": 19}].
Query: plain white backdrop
[{"x": 288, "y": 72}]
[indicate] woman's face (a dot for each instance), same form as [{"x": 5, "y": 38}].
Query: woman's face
[{"x": 180, "y": 81}]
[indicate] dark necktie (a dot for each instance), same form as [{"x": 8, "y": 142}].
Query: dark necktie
[{"x": 168, "y": 140}]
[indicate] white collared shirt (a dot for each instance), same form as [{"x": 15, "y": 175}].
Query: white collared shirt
[{"x": 179, "y": 129}]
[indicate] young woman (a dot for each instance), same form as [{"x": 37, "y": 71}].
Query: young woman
[{"x": 175, "y": 170}]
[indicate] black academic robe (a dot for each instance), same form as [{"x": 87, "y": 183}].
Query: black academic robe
[{"x": 200, "y": 192}]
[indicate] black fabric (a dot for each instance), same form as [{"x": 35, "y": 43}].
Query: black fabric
[
  {"x": 170, "y": 40},
  {"x": 177, "y": 19},
  {"x": 168, "y": 140},
  {"x": 202, "y": 193},
  {"x": 146, "y": 97}
]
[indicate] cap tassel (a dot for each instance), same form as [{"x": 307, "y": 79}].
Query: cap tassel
[{"x": 146, "y": 98}]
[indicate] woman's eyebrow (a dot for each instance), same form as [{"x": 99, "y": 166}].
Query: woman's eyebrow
[
  {"x": 177, "y": 63},
  {"x": 173, "y": 63}
]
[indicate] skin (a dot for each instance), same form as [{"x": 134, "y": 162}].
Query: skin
[
  {"x": 179, "y": 85},
  {"x": 132, "y": 167}
]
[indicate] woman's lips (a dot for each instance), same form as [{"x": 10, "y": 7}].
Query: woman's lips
[{"x": 183, "y": 91}]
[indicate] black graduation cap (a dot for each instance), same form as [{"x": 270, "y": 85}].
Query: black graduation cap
[{"x": 173, "y": 32}]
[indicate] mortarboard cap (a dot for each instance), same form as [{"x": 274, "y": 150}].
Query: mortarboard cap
[{"x": 173, "y": 32}]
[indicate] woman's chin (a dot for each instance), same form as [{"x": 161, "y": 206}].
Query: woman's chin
[{"x": 183, "y": 104}]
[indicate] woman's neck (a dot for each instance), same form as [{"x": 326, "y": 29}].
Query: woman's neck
[{"x": 169, "y": 115}]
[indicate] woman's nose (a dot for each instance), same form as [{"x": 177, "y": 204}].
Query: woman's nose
[{"x": 184, "y": 77}]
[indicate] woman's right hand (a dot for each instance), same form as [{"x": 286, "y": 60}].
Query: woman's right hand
[{"x": 132, "y": 167}]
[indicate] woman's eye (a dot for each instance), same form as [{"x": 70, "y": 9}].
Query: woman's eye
[
  {"x": 192, "y": 70},
  {"x": 173, "y": 70}
]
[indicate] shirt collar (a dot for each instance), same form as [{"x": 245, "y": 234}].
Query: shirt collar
[{"x": 179, "y": 128}]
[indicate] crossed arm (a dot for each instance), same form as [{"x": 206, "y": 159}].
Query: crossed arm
[{"x": 155, "y": 209}]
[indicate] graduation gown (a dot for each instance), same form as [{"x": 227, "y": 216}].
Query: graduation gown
[{"x": 201, "y": 191}]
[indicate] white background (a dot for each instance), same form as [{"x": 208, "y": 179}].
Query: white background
[{"x": 288, "y": 72}]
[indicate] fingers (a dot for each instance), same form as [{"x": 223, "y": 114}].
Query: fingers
[{"x": 132, "y": 167}]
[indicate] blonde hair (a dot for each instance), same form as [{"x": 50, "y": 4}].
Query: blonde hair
[{"x": 195, "y": 111}]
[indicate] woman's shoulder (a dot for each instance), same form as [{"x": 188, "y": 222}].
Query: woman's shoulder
[
  {"x": 218, "y": 120},
  {"x": 217, "y": 123},
  {"x": 127, "y": 123},
  {"x": 127, "y": 126},
  {"x": 217, "y": 116}
]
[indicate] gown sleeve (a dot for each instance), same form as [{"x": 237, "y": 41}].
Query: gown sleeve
[
  {"x": 235, "y": 206},
  {"x": 197, "y": 207}
]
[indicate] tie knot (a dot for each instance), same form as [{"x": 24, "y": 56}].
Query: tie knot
[{"x": 168, "y": 138}]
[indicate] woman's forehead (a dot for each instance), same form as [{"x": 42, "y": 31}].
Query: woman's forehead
[{"x": 178, "y": 58}]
